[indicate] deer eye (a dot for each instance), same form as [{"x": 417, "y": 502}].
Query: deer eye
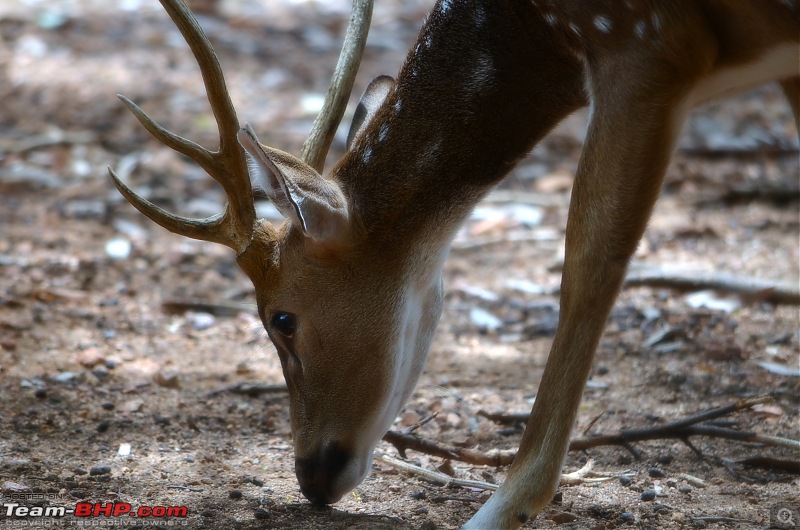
[{"x": 284, "y": 323}]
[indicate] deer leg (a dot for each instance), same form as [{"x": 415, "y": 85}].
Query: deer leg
[{"x": 629, "y": 143}]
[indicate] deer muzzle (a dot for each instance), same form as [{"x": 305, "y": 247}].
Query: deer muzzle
[{"x": 329, "y": 473}]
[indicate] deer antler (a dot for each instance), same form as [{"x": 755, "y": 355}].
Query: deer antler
[
  {"x": 315, "y": 149},
  {"x": 234, "y": 225}
]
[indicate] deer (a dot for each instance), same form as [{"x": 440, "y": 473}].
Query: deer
[{"x": 349, "y": 287}]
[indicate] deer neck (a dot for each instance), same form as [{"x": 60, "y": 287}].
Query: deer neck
[{"x": 474, "y": 95}]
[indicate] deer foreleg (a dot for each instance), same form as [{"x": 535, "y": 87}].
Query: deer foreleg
[{"x": 630, "y": 140}]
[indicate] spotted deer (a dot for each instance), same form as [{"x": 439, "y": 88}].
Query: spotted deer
[{"x": 349, "y": 287}]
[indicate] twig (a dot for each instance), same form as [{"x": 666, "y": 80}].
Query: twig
[
  {"x": 445, "y": 498},
  {"x": 519, "y": 197},
  {"x": 503, "y": 418},
  {"x": 402, "y": 442},
  {"x": 50, "y": 138},
  {"x": 681, "y": 429},
  {"x": 249, "y": 389},
  {"x": 582, "y": 475},
  {"x": 694, "y": 481},
  {"x": 587, "y": 475},
  {"x": 434, "y": 476},
  {"x": 765, "y": 462},
  {"x": 185, "y": 488},
  {"x": 715, "y": 519},
  {"x": 753, "y": 288},
  {"x": 534, "y": 237},
  {"x": 220, "y": 309},
  {"x": 736, "y": 152},
  {"x": 420, "y": 423}
]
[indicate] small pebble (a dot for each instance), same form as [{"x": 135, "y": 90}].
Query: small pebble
[
  {"x": 207, "y": 513},
  {"x": 235, "y": 495},
  {"x": 202, "y": 321},
  {"x": 257, "y": 482},
  {"x": 261, "y": 514},
  {"x": 167, "y": 379},
  {"x": 103, "y": 426},
  {"x": 18, "y": 464},
  {"x": 625, "y": 481},
  {"x": 118, "y": 248},
  {"x": 100, "y": 470},
  {"x": 627, "y": 517},
  {"x": 91, "y": 357},
  {"x": 484, "y": 320},
  {"x": 65, "y": 377},
  {"x": 685, "y": 489},
  {"x": 648, "y": 495},
  {"x": 655, "y": 472},
  {"x": 83, "y": 209},
  {"x": 665, "y": 459},
  {"x": 563, "y": 518},
  {"x": 190, "y": 458},
  {"x": 418, "y": 495},
  {"x": 124, "y": 449},
  {"x": 40, "y": 393},
  {"x": 107, "y": 405},
  {"x": 79, "y": 471},
  {"x": 14, "y": 487}
]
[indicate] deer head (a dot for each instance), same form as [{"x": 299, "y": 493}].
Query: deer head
[{"x": 351, "y": 328}]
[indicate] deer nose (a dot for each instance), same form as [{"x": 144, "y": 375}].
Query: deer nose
[{"x": 318, "y": 473}]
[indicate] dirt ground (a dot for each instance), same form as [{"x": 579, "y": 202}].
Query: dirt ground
[{"x": 116, "y": 335}]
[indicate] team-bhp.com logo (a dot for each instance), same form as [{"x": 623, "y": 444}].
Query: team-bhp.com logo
[{"x": 93, "y": 509}]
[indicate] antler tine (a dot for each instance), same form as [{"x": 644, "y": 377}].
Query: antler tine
[
  {"x": 234, "y": 226},
  {"x": 210, "y": 229},
  {"x": 316, "y": 147},
  {"x": 180, "y": 144}
]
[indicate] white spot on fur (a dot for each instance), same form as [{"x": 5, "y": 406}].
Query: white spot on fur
[
  {"x": 656, "y": 22},
  {"x": 640, "y": 28},
  {"x": 445, "y": 6},
  {"x": 575, "y": 29},
  {"x": 383, "y": 132},
  {"x": 603, "y": 23},
  {"x": 479, "y": 15},
  {"x": 431, "y": 152},
  {"x": 551, "y": 19},
  {"x": 398, "y": 106},
  {"x": 483, "y": 72},
  {"x": 366, "y": 156}
]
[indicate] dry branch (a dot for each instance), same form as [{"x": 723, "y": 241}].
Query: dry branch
[
  {"x": 751, "y": 288},
  {"x": 582, "y": 475},
  {"x": 681, "y": 429},
  {"x": 249, "y": 389}
]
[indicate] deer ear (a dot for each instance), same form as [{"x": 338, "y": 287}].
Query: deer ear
[
  {"x": 370, "y": 102},
  {"x": 301, "y": 194}
]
